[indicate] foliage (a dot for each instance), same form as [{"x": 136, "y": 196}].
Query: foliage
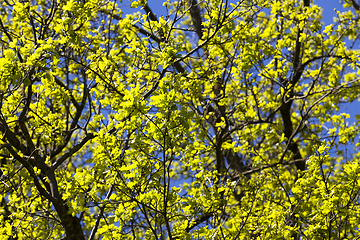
[{"x": 217, "y": 121}]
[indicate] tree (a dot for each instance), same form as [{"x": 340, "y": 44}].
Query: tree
[{"x": 219, "y": 120}]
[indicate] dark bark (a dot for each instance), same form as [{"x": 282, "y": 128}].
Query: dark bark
[
  {"x": 196, "y": 17},
  {"x": 31, "y": 159},
  {"x": 355, "y": 5},
  {"x": 306, "y": 3},
  {"x": 70, "y": 223},
  {"x": 288, "y": 131}
]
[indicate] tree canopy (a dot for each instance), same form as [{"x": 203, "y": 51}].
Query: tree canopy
[{"x": 217, "y": 120}]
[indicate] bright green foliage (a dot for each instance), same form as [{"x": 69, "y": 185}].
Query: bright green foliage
[{"x": 218, "y": 121}]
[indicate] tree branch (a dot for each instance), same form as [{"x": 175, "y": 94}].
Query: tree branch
[{"x": 196, "y": 17}]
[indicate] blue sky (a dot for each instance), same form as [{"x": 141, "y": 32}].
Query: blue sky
[
  {"x": 327, "y": 5},
  {"x": 329, "y": 12}
]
